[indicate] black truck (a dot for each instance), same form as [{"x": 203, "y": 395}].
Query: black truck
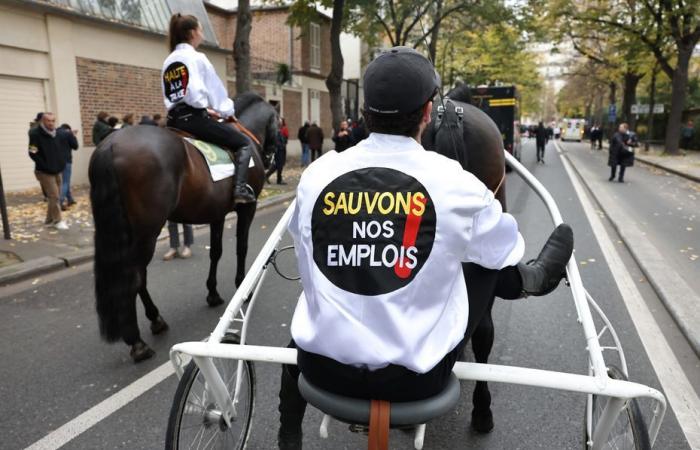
[{"x": 501, "y": 105}]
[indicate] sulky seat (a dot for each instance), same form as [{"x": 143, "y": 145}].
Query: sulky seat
[{"x": 380, "y": 415}]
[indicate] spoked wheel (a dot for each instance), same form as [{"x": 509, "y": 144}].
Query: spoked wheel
[
  {"x": 629, "y": 432},
  {"x": 196, "y": 423}
]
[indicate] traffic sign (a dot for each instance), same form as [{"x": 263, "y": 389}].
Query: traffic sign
[
  {"x": 644, "y": 109},
  {"x": 612, "y": 113}
]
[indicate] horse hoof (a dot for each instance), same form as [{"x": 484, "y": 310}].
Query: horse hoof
[
  {"x": 214, "y": 300},
  {"x": 482, "y": 422},
  {"x": 141, "y": 352},
  {"x": 159, "y": 325}
]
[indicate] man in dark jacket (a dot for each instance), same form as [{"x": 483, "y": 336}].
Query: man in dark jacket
[
  {"x": 68, "y": 143},
  {"x": 101, "y": 128},
  {"x": 343, "y": 138},
  {"x": 314, "y": 136},
  {"x": 621, "y": 153},
  {"x": 46, "y": 148},
  {"x": 541, "y": 141},
  {"x": 359, "y": 132},
  {"x": 305, "y": 158}
]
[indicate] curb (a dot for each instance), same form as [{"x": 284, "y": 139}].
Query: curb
[
  {"x": 683, "y": 315},
  {"x": 47, "y": 264},
  {"x": 668, "y": 169}
]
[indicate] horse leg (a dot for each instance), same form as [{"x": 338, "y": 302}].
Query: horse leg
[
  {"x": 217, "y": 235},
  {"x": 140, "y": 351},
  {"x": 158, "y": 325},
  {"x": 246, "y": 213},
  {"x": 482, "y": 342}
]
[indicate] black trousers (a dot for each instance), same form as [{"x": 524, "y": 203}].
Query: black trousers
[
  {"x": 316, "y": 153},
  {"x": 622, "y": 172},
  {"x": 397, "y": 383},
  {"x": 540, "y": 152},
  {"x": 198, "y": 122}
]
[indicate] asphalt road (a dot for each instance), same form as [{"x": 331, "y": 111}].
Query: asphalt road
[{"x": 54, "y": 367}]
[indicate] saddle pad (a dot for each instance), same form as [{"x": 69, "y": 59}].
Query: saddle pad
[{"x": 218, "y": 160}]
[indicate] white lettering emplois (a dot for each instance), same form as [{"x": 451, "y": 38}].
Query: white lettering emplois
[{"x": 357, "y": 255}]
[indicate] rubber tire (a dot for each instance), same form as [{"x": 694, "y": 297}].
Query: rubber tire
[
  {"x": 635, "y": 419},
  {"x": 183, "y": 390}
]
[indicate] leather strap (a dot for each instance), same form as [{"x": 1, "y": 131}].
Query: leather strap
[
  {"x": 379, "y": 419},
  {"x": 236, "y": 123}
]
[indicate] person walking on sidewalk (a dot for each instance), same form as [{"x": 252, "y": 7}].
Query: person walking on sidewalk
[
  {"x": 314, "y": 136},
  {"x": 301, "y": 135},
  {"x": 280, "y": 153},
  {"x": 101, "y": 128},
  {"x": 621, "y": 153},
  {"x": 541, "y": 141},
  {"x": 687, "y": 133},
  {"x": 175, "y": 241},
  {"x": 46, "y": 150},
  {"x": 69, "y": 144}
]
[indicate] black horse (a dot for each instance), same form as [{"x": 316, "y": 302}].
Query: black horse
[
  {"x": 139, "y": 178},
  {"x": 466, "y": 134}
]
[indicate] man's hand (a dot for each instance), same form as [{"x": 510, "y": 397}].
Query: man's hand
[{"x": 213, "y": 114}]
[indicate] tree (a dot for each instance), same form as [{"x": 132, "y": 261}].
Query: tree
[
  {"x": 241, "y": 46},
  {"x": 335, "y": 77},
  {"x": 657, "y": 21}
]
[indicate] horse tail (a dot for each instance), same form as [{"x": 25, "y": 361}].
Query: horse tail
[{"x": 115, "y": 270}]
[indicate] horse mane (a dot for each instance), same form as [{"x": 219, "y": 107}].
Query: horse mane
[
  {"x": 246, "y": 99},
  {"x": 461, "y": 93}
]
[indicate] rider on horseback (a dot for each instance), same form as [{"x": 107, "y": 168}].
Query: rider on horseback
[
  {"x": 194, "y": 95},
  {"x": 381, "y": 231}
]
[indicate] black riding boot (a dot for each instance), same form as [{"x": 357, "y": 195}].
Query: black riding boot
[
  {"x": 241, "y": 194},
  {"x": 541, "y": 276},
  {"x": 292, "y": 408}
]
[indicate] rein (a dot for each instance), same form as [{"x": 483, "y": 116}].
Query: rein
[
  {"x": 245, "y": 131},
  {"x": 500, "y": 183}
]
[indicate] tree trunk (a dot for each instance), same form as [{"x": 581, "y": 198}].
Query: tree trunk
[
  {"x": 652, "y": 95},
  {"x": 629, "y": 97},
  {"x": 679, "y": 84},
  {"x": 335, "y": 77},
  {"x": 435, "y": 34},
  {"x": 241, "y": 46}
]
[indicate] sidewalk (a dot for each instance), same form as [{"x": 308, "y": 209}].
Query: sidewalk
[
  {"x": 36, "y": 249},
  {"x": 686, "y": 165}
]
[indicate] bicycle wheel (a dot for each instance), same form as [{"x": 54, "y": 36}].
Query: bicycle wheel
[
  {"x": 194, "y": 420},
  {"x": 629, "y": 432}
]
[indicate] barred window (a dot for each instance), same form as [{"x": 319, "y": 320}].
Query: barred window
[{"x": 315, "y": 35}]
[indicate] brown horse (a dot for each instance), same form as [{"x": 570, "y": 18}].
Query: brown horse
[
  {"x": 142, "y": 176},
  {"x": 470, "y": 137}
]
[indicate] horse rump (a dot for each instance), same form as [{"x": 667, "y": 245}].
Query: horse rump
[{"x": 114, "y": 267}]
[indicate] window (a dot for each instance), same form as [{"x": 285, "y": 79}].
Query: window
[{"x": 315, "y": 38}]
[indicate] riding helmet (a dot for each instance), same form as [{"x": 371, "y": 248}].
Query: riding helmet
[{"x": 399, "y": 81}]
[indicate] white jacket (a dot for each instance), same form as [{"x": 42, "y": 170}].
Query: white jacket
[
  {"x": 380, "y": 231},
  {"x": 188, "y": 76}
]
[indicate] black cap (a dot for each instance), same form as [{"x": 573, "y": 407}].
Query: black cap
[{"x": 399, "y": 81}]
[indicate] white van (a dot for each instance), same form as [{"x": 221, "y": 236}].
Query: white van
[{"x": 572, "y": 129}]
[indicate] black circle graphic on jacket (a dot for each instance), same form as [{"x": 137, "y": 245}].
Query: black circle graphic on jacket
[
  {"x": 175, "y": 80},
  {"x": 372, "y": 230}
]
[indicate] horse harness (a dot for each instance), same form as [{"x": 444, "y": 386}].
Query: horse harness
[{"x": 442, "y": 112}]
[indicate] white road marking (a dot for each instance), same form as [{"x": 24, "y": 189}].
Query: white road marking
[
  {"x": 102, "y": 410},
  {"x": 679, "y": 392}
]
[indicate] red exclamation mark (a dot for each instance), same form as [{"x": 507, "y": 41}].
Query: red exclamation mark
[{"x": 410, "y": 234}]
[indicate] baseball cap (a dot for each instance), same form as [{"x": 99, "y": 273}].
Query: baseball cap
[{"x": 399, "y": 81}]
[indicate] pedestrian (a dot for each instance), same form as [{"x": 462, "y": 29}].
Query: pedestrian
[
  {"x": 69, "y": 144},
  {"x": 557, "y": 132},
  {"x": 687, "y": 133},
  {"x": 113, "y": 123},
  {"x": 175, "y": 241},
  {"x": 147, "y": 120},
  {"x": 37, "y": 120},
  {"x": 540, "y": 141},
  {"x": 128, "y": 120},
  {"x": 281, "y": 138},
  {"x": 101, "y": 128},
  {"x": 343, "y": 138},
  {"x": 301, "y": 135},
  {"x": 359, "y": 132},
  {"x": 621, "y": 153},
  {"x": 390, "y": 326},
  {"x": 314, "y": 135},
  {"x": 593, "y": 135},
  {"x": 158, "y": 119},
  {"x": 46, "y": 148}
]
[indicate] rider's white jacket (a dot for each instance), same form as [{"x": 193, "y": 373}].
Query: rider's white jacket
[
  {"x": 188, "y": 76},
  {"x": 380, "y": 231}
]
